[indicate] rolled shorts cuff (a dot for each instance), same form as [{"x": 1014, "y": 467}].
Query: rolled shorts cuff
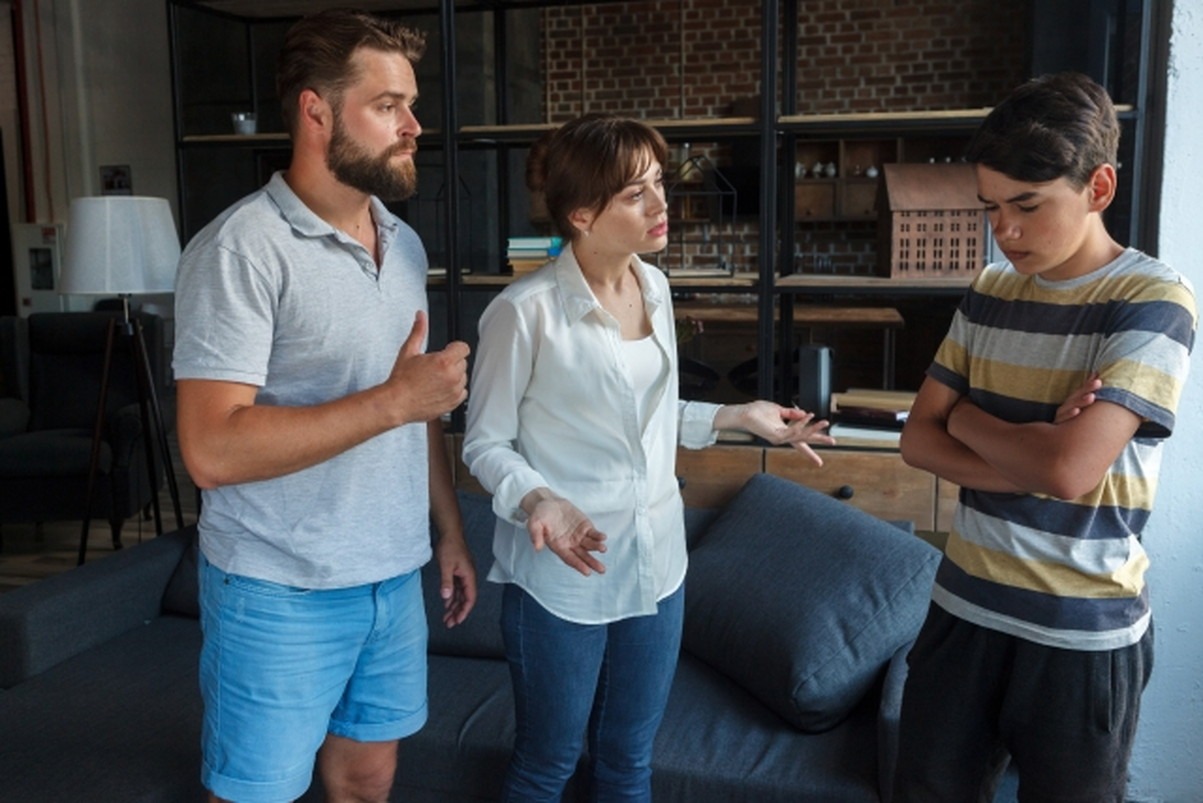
[
  {"x": 382, "y": 731},
  {"x": 282, "y": 789}
]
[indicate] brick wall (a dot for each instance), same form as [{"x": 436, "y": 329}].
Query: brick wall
[
  {"x": 701, "y": 58},
  {"x": 694, "y": 58}
]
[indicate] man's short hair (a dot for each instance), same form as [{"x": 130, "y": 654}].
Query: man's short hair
[
  {"x": 318, "y": 48},
  {"x": 1054, "y": 126}
]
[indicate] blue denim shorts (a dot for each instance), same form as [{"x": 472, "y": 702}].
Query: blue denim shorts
[{"x": 281, "y": 667}]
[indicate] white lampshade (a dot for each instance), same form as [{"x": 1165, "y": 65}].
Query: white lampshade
[{"x": 120, "y": 245}]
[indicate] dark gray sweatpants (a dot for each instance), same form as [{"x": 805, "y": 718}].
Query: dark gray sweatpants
[{"x": 973, "y": 696}]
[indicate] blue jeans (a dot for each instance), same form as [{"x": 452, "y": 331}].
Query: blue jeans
[{"x": 611, "y": 680}]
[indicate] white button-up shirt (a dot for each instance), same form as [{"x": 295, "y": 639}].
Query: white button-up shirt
[{"x": 552, "y": 405}]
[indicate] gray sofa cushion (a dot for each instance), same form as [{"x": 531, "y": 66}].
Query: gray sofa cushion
[
  {"x": 733, "y": 749},
  {"x": 860, "y": 587},
  {"x": 182, "y": 596},
  {"x": 118, "y": 722}
]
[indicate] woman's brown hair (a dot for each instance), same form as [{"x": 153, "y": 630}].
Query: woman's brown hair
[{"x": 584, "y": 163}]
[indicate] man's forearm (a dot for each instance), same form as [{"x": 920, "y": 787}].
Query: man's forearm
[
  {"x": 238, "y": 441},
  {"x": 444, "y": 507}
]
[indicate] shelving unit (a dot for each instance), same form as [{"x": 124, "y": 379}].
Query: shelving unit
[{"x": 480, "y": 120}]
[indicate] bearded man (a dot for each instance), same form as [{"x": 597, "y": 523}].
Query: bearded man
[{"x": 309, "y": 417}]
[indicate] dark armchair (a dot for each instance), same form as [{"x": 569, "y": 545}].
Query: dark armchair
[{"x": 51, "y": 366}]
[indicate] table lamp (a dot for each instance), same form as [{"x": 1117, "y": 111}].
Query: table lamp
[{"x": 124, "y": 245}]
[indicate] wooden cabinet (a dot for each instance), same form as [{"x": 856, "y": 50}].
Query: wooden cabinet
[
  {"x": 712, "y": 477},
  {"x": 946, "y": 504},
  {"x": 877, "y": 482},
  {"x": 839, "y": 179}
]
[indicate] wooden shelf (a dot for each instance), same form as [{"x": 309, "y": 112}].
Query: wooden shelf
[
  {"x": 234, "y": 139},
  {"x": 670, "y": 128},
  {"x": 676, "y": 279},
  {"x": 870, "y": 285}
]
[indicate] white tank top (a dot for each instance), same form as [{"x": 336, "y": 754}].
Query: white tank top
[{"x": 645, "y": 365}]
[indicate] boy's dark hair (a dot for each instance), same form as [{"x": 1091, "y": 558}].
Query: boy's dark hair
[
  {"x": 584, "y": 163},
  {"x": 317, "y": 53},
  {"x": 1054, "y": 126}
]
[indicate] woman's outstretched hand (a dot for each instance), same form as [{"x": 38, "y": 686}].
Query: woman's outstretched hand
[
  {"x": 777, "y": 425},
  {"x": 556, "y": 523}
]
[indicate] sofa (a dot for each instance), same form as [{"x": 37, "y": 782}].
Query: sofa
[{"x": 799, "y": 613}]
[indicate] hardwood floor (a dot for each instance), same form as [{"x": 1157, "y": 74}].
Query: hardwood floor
[{"x": 32, "y": 552}]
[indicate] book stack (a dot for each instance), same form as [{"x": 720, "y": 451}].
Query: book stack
[
  {"x": 867, "y": 417},
  {"x": 525, "y": 254}
]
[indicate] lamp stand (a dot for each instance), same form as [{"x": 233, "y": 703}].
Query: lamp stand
[{"x": 148, "y": 407}]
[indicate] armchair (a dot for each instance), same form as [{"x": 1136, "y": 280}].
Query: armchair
[{"x": 51, "y": 366}]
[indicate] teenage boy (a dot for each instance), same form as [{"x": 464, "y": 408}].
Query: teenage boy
[
  {"x": 309, "y": 414},
  {"x": 1048, "y": 403}
]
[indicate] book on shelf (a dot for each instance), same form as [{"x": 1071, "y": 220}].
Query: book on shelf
[
  {"x": 439, "y": 272},
  {"x": 876, "y": 437},
  {"x": 892, "y": 401},
  {"x": 872, "y": 409},
  {"x": 539, "y": 243},
  {"x": 525, "y": 248},
  {"x": 869, "y": 416}
]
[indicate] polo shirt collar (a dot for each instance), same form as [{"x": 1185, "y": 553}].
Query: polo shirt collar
[{"x": 306, "y": 223}]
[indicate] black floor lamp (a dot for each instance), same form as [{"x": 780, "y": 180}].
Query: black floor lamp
[{"x": 124, "y": 245}]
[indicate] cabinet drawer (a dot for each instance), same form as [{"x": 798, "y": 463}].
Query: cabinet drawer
[
  {"x": 814, "y": 199},
  {"x": 859, "y": 199},
  {"x": 876, "y": 482},
  {"x": 946, "y": 504},
  {"x": 713, "y": 476}
]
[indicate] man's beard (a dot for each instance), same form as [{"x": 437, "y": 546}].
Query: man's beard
[{"x": 351, "y": 164}]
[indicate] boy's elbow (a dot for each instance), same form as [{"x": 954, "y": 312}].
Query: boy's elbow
[
  {"x": 1065, "y": 479},
  {"x": 1068, "y": 487}
]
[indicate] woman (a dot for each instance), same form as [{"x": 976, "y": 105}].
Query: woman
[{"x": 573, "y": 426}]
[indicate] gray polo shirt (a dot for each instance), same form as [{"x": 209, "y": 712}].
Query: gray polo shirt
[{"x": 270, "y": 295}]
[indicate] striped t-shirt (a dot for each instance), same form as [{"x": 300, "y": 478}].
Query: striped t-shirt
[{"x": 1066, "y": 573}]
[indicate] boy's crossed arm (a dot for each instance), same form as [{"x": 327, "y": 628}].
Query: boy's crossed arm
[{"x": 953, "y": 438}]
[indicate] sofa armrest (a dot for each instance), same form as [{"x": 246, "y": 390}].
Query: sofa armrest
[
  {"x": 14, "y": 416},
  {"x": 889, "y": 714},
  {"x": 54, "y": 619},
  {"x": 124, "y": 430}
]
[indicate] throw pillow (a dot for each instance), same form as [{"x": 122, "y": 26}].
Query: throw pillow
[{"x": 801, "y": 599}]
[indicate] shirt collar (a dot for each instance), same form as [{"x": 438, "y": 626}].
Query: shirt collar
[
  {"x": 306, "y": 223},
  {"x": 579, "y": 300}
]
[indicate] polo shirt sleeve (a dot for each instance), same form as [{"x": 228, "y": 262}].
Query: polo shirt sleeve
[{"x": 225, "y": 308}]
